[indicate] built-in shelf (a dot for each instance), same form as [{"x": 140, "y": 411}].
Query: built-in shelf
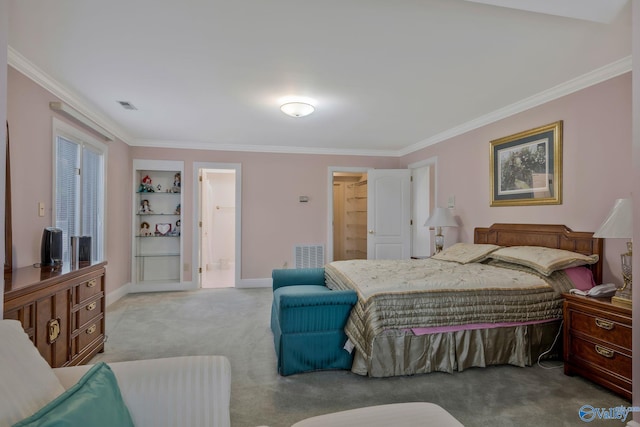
[{"x": 157, "y": 246}]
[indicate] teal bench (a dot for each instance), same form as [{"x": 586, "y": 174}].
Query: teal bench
[{"x": 307, "y": 320}]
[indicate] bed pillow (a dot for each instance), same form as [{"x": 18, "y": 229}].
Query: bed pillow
[
  {"x": 465, "y": 252},
  {"x": 543, "y": 260},
  {"x": 93, "y": 401},
  {"x": 581, "y": 277}
]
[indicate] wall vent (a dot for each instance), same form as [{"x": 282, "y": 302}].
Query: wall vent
[{"x": 308, "y": 256}]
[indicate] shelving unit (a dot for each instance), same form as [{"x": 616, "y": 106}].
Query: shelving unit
[
  {"x": 157, "y": 223},
  {"x": 356, "y": 220}
]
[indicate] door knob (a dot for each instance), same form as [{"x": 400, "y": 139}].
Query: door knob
[{"x": 370, "y": 231}]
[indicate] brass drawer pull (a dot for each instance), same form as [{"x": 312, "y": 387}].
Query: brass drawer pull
[
  {"x": 91, "y": 283},
  {"x": 604, "y": 324},
  {"x": 53, "y": 326},
  {"x": 92, "y": 306},
  {"x": 604, "y": 351},
  {"x": 91, "y": 329}
]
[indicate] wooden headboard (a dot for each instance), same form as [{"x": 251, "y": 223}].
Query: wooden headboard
[{"x": 547, "y": 235}]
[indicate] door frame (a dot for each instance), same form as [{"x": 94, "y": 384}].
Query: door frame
[
  {"x": 331, "y": 170},
  {"x": 432, "y": 162},
  {"x": 197, "y": 236}
]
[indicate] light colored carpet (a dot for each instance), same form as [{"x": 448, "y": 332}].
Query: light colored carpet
[{"x": 235, "y": 323}]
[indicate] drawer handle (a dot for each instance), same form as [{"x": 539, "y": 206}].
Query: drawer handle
[
  {"x": 91, "y": 283},
  {"x": 604, "y": 324},
  {"x": 604, "y": 351},
  {"x": 91, "y": 329},
  {"x": 91, "y": 306},
  {"x": 53, "y": 326}
]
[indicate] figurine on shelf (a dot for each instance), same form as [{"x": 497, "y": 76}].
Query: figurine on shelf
[
  {"x": 145, "y": 229},
  {"x": 145, "y": 207},
  {"x": 176, "y": 229},
  {"x": 177, "y": 211},
  {"x": 159, "y": 188},
  {"x": 176, "y": 183},
  {"x": 145, "y": 185}
]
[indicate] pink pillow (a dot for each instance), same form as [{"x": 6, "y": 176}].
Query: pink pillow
[{"x": 582, "y": 277}]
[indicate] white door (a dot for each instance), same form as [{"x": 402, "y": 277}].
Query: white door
[
  {"x": 389, "y": 214},
  {"x": 217, "y": 224}
]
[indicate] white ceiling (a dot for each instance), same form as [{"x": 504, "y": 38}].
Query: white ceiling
[{"x": 388, "y": 77}]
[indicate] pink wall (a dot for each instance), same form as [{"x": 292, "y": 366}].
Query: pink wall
[
  {"x": 273, "y": 220},
  {"x": 636, "y": 189},
  {"x": 596, "y": 165},
  {"x": 30, "y": 122},
  {"x": 4, "y": 36}
]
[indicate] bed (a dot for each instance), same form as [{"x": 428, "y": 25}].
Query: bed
[{"x": 473, "y": 305}]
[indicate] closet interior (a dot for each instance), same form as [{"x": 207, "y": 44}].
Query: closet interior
[{"x": 349, "y": 216}]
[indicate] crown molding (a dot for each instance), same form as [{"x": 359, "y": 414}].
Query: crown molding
[
  {"x": 594, "y": 77},
  {"x": 196, "y": 145},
  {"x": 30, "y": 70},
  {"x": 23, "y": 65}
]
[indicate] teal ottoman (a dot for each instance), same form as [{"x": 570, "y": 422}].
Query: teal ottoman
[{"x": 308, "y": 320}]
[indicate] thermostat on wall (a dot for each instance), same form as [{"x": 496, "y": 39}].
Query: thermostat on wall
[{"x": 304, "y": 199}]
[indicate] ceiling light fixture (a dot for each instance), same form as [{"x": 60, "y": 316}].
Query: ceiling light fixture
[{"x": 297, "y": 109}]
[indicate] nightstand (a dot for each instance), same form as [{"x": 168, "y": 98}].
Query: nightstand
[{"x": 597, "y": 342}]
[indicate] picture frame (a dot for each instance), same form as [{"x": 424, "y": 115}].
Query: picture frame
[{"x": 526, "y": 168}]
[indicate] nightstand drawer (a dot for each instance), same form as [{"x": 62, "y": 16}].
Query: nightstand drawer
[
  {"x": 601, "y": 356},
  {"x": 605, "y": 329}
]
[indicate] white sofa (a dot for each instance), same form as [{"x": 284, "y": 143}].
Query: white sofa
[{"x": 182, "y": 391}]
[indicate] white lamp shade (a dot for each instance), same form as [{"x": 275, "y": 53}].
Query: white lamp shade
[
  {"x": 619, "y": 222},
  {"x": 441, "y": 217},
  {"x": 297, "y": 109}
]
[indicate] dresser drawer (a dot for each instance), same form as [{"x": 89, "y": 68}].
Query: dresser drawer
[
  {"x": 88, "y": 289},
  {"x": 604, "y": 329},
  {"x": 87, "y": 335},
  {"x": 86, "y": 313}
]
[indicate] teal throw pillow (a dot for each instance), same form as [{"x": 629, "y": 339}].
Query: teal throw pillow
[{"x": 93, "y": 401}]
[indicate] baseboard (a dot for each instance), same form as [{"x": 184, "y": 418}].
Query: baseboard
[
  {"x": 161, "y": 287},
  {"x": 254, "y": 283},
  {"x": 132, "y": 288},
  {"x": 114, "y": 296}
]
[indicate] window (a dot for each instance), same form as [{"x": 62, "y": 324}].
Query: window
[{"x": 79, "y": 187}]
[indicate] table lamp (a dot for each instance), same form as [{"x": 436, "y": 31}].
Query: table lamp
[
  {"x": 440, "y": 217},
  {"x": 619, "y": 225}
]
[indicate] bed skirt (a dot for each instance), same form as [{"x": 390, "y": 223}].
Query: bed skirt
[{"x": 396, "y": 353}]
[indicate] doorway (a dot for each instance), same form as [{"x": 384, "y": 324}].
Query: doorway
[
  {"x": 349, "y": 215},
  {"x": 218, "y": 225},
  {"x": 421, "y": 195}
]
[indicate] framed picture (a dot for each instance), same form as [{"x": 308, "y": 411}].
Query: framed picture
[{"x": 526, "y": 168}]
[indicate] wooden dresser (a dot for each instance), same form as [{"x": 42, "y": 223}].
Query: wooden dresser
[
  {"x": 62, "y": 310},
  {"x": 597, "y": 342}
]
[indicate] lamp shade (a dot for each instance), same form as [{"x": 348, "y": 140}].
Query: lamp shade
[
  {"x": 619, "y": 222},
  {"x": 441, "y": 217}
]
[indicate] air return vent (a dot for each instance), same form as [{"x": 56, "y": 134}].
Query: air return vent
[
  {"x": 308, "y": 256},
  {"x": 127, "y": 105}
]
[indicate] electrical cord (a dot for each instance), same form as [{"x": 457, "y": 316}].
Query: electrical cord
[{"x": 549, "y": 350}]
